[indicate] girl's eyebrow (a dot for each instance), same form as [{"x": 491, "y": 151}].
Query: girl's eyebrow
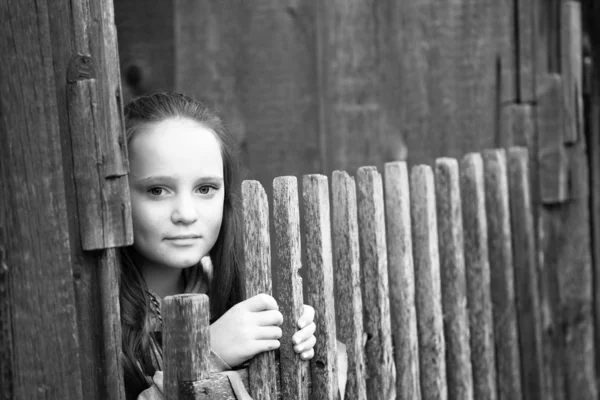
[{"x": 170, "y": 178}]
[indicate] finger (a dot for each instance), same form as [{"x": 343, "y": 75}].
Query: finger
[
  {"x": 268, "y": 332},
  {"x": 260, "y": 302},
  {"x": 207, "y": 268},
  {"x": 259, "y": 346},
  {"x": 269, "y": 317},
  {"x": 306, "y": 345},
  {"x": 308, "y": 316},
  {"x": 308, "y": 354},
  {"x": 304, "y": 334}
]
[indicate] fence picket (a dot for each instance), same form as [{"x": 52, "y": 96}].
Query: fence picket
[
  {"x": 347, "y": 278},
  {"x": 402, "y": 281},
  {"x": 257, "y": 255},
  {"x": 320, "y": 285},
  {"x": 294, "y": 371},
  {"x": 379, "y": 351},
  {"x": 526, "y": 277},
  {"x": 502, "y": 275},
  {"x": 479, "y": 297},
  {"x": 432, "y": 358},
  {"x": 454, "y": 289}
]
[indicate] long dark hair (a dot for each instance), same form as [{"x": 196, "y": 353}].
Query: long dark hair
[{"x": 226, "y": 287}]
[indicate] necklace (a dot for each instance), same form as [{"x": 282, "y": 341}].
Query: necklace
[{"x": 156, "y": 305}]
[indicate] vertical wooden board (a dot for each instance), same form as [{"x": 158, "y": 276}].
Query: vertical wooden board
[
  {"x": 146, "y": 50},
  {"x": 502, "y": 275},
  {"x": 257, "y": 257},
  {"x": 526, "y": 275},
  {"x": 520, "y": 125},
  {"x": 526, "y": 43},
  {"x": 375, "y": 290},
  {"x": 41, "y": 303},
  {"x": 286, "y": 215},
  {"x": 571, "y": 64},
  {"x": 432, "y": 353},
  {"x": 453, "y": 278},
  {"x": 315, "y": 194},
  {"x": 186, "y": 341},
  {"x": 479, "y": 297},
  {"x": 349, "y": 308},
  {"x": 402, "y": 281}
]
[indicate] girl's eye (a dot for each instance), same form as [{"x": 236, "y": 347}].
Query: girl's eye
[
  {"x": 156, "y": 191},
  {"x": 206, "y": 189}
]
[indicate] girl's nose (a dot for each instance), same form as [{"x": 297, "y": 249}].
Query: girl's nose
[{"x": 185, "y": 211}]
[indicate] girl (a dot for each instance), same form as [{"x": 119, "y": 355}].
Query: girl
[{"x": 184, "y": 201}]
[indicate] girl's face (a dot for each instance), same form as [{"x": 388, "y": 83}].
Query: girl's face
[{"x": 177, "y": 192}]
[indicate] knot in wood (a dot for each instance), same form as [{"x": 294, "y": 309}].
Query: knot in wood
[{"x": 81, "y": 67}]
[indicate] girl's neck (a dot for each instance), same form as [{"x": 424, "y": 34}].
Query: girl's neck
[{"x": 163, "y": 281}]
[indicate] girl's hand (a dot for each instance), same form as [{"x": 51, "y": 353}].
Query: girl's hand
[
  {"x": 246, "y": 329},
  {"x": 304, "y": 340}
]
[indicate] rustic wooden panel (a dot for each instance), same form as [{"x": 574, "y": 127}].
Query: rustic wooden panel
[
  {"x": 286, "y": 216},
  {"x": 571, "y": 63},
  {"x": 380, "y": 380},
  {"x": 36, "y": 249},
  {"x": 349, "y": 308},
  {"x": 502, "y": 275},
  {"x": 526, "y": 275},
  {"x": 479, "y": 296},
  {"x": 453, "y": 278},
  {"x": 432, "y": 353},
  {"x": 257, "y": 257},
  {"x": 526, "y": 42},
  {"x": 320, "y": 285},
  {"x": 402, "y": 281}
]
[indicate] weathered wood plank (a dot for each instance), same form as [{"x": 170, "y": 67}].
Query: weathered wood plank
[
  {"x": 257, "y": 256},
  {"x": 349, "y": 308},
  {"x": 526, "y": 275},
  {"x": 376, "y": 307},
  {"x": 502, "y": 275},
  {"x": 432, "y": 346},
  {"x": 35, "y": 244},
  {"x": 186, "y": 344},
  {"x": 320, "y": 285},
  {"x": 286, "y": 216},
  {"x": 526, "y": 43},
  {"x": 402, "y": 281},
  {"x": 479, "y": 297},
  {"x": 453, "y": 278},
  {"x": 571, "y": 63}
]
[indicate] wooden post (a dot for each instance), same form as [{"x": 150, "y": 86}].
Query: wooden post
[
  {"x": 479, "y": 297},
  {"x": 506, "y": 332},
  {"x": 294, "y": 371},
  {"x": 320, "y": 285},
  {"x": 402, "y": 281},
  {"x": 371, "y": 221},
  {"x": 454, "y": 285},
  {"x": 186, "y": 343},
  {"x": 257, "y": 255},
  {"x": 432, "y": 347},
  {"x": 347, "y": 278}
]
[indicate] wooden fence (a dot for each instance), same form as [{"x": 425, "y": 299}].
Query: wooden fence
[{"x": 430, "y": 277}]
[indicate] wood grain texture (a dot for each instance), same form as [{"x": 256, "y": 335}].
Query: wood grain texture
[
  {"x": 453, "y": 279},
  {"x": 526, "y": 43},
  {"x": 506, "y": 332},
  {"x": 479, "y": 296},
  {"x": 402, "y": 281},
  {"x": 432, "y": 353},
  {"x": 571, "y": 63},
  {"x": 526, "y": 275},
  {"x": 348, "y": 293},
  {"x": 186, "y": 347},
  {"x": 257, "y": 256},
  {"x": 216, "y": 387},
  {"x": 315, "y": 194},
  {"x": 375, "y": 290},
  {"x": 40, "y": 307},
  {"x": 286, "y": 216}
]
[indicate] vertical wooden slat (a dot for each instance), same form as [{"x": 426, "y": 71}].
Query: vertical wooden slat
[
  {"x": 402, "y": 281},
  {"x": 479, "y": 297},
  {"x": 454, "y": 286},
  {"x": 294, "y": 371},
  {"x": 320, "y": 285},
  {"x": 186, "y": 343},
  {"x": 347, "y": 278},
  {"x": 375, "y": 292},
  {"x": 526, "y": 275},
  {"x": 526, "y": 26},
  {"x": 257, "y": 257},
  {"x": 501, "y": 266},
  {"x": 571, "y": 49},
  {"x": 432, "y": 353}
]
